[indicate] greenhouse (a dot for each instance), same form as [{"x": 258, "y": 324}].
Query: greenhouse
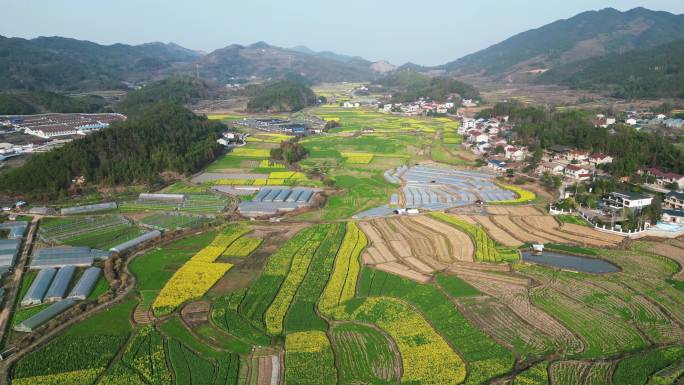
[
  {"x": 16, "y": 229},
  {"x": 135, "y": 241},
  {"x": 85, "y": 284},
  {"x": 44, "y": 316},
  {"x": 40, "y": 285},
  {"x": 9, "y": 249},
  {"x": 63, "y": 256},
  {"x": 176, "y": 198},
  {"x": 60, "y": 284},
  {"x": 88, "y": 208}
]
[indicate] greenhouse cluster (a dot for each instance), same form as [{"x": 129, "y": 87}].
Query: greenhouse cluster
[{"x": 63, "y": 256}]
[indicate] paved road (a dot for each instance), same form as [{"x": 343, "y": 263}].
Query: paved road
[{"x": 16, "y": 278}]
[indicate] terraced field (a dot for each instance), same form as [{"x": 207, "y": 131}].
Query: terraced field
[{"x": 415, "y": 247}]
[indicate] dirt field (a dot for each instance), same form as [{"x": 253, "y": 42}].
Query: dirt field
[
  {"x": 670, "y": 251},
  {"x": 513, "y": 226},
  {"x": 195, "y": 313},
  {"x": 414, "y": 247}
]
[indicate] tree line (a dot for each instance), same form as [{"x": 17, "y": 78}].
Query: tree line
[{"x": 164, "y": 137}]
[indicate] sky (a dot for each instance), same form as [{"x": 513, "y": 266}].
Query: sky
[{"x": 429, "y": 32}]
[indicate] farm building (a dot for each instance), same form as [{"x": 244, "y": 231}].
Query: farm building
[
  {"x": 16, "y": 229},
  {"x": 270, "y": 201},
  {"x": 60, "y": 284},
  {"x": 44, "y": 316},
  {"x": 88, "y": 208},
  {"x": 626, "y": 200},
  {"x": 136, "y": 241},
  {"x": 85, "y": 284},
  {"x": 39, "y": 287},
  {"x": 63, "y": 256},
  {"x": 174, "y": 198}
]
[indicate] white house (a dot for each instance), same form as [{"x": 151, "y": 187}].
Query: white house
[
  {"x": 387, "y": 107},
  {"x": 600, "y": 158},
  {"x": 674, "y": 200},
  {"x": 475, "y": 136},
  {"x": 627, "y": 200},
  {"x": 673, "y": 216},
  {"x": 514, "y": 154},
  {"x": 577, "y": 172},
  {"x": 631, "y": 121},
  {"x": 553, "y": 168}
]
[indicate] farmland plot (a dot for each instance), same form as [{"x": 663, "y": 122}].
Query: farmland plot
[
  {"x": 188, "y": 367},
  {"x": 143, "y": 362},
  {"x": 342, "y": 284},
  {"x": 364, "y": 355},
  {"x": 309, "y": 359},
  {"x": 415, "y": 247},
  {"x": 264, "y": 290},
  {"x": 485, "y": 359},
  {"x": 513, "y": 226},
  {"x": 581, "y": 372}
]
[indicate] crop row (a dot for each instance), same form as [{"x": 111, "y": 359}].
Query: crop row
[
  {"x": 485, "y": 250},
  {"x": 524, "y": 196},
  {"x": 302, "y": 315},
  {"x": 224, "y": 313},
  {"x": 264, "y": 289},
  {"x": 426, "y": 357},
  {"x": 637, "y": 369},
  {"x": 275, "y": 314},
  {"x": 342, "y": 284},
  {"x": 199, "y": 274},
  {"x": 188, "y": 367},
  {"x": 309, "y": 359},
  {"x": 364, "y": 355},
  {"x": 143, "y": 362},
  {"x": 485, "y": 358},
  {"x": 242, "y": 247},
  {"x": 357, "y": 157}
]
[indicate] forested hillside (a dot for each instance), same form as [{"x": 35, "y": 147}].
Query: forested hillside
[
  {"x": 177, "y": 89},
  {"x": 632, "y": 150},
  {"x": 21, "y": 103},
  {"x": 409, "y": 85},
  {"x": 280, "y": 97},
  {"x": 652, "y": 73},
  {"x": 586, "y": 35},
  {"x": 56, "y": 63},
  {"x": 165, "y": 137}
]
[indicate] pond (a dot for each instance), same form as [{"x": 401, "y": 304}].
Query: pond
[{"x": 570, "y": 262}]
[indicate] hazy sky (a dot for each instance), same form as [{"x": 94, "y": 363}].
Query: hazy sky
[{"x": 426, "y": 32}]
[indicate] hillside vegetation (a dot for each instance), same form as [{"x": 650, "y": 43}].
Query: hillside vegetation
[
  {"x": 165, "y": 137},
  {"x": 410, "y": 85},
  {"x": 281, "y": 97},
  {"x": 651, "y": 73},
  {"x": 24, "y": 103},
  {"x": 176, "y": 89},
  {"x": 57, "y": 63}
]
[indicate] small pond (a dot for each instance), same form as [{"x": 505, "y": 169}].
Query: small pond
[{"x": 570, "y": 262}]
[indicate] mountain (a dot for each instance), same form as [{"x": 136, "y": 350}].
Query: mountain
[
  {"x": 650, "y": 73},
  {"x": 587, "y": 35},
  {"x": 265, "y": 61},
  {"x": 58, "y": 63}
]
